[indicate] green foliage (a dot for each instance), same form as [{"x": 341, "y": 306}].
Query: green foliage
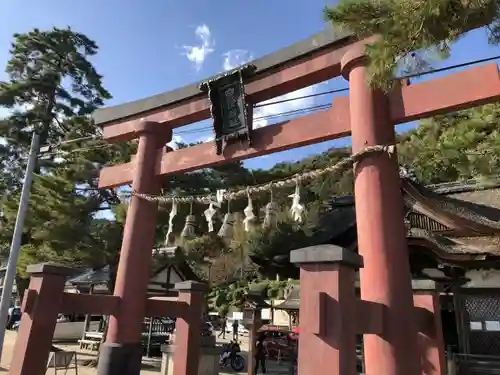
[
  {"x": 454, "y": 147},
  {"x": 52, "y": 88},
  {"x": 208, "y": 246},
  {"x": 223, "y": 297},
  {"x": 411, "y": 30},
  {"x": 446, "y": 148},
  {"x": 286, "y": 237},
  {"x": 50, "y": 79},
  {"x": 62, "y": 224},
  {"x": 269, "y": 250},
  {"x": 276, "y": 289}
]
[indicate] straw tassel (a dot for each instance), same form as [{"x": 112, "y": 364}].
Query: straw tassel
[
  {"x": 250, "y": 218},
  {"x": 271, "y": 214},
  {"x": 226, "y": 230},
  {"x": 189, "y": 233},
  {"x": 209, "y": 216},
  {"x": 219, "y": 197},
  {"x": 173, "y": 213},
  {"x": 297, "y": 210}
]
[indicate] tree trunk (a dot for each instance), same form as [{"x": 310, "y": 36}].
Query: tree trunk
[
  {"x": 113, "y": 270},
  {"x": 21, "y": 285}
]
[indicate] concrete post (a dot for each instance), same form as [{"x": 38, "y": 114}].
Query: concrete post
[
  {"x": 41, "y": 304},
  {"x": 187, "y": 336},
  {"x": 327, "y": 343},
  {"x": 430, "y": 338}
]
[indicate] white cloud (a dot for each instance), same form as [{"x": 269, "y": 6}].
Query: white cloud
[
  {"x": 174, "y": 143},
  {"x": 238, "y": 57},
  {"x": 198, "y": 53},
  {"x": 295, "y": 101},
  {"x": 4, "y": 112},
  {"x": 235, "y": 58}
]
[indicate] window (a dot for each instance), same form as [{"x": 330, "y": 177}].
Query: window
[
  {"x": 486, "y": 326},
  {"x": 492, "y": 325},
  {"x": 476, "y": 326}
]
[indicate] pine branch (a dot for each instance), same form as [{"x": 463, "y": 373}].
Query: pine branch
[{"x": 411, "y": 28}]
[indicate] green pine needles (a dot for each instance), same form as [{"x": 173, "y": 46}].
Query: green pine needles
[{"x": 412, "y": 31}]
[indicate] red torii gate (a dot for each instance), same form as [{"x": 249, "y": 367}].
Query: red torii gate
[{"x": 386, "y": 314}]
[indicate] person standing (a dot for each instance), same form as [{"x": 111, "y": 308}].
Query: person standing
[
  {"x": 260, "y": 354},
  {"x": 223, "y": 328},
  {"x": 235, "y": 330},
  {"x": 295, "y": 354}
]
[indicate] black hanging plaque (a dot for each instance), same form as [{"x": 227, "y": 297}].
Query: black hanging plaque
[{"x": 228, "y": 107}]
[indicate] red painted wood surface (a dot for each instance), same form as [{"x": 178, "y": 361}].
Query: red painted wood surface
[
  {"x": 456, "y": 91},
  {"x": 296, "y": 75}
]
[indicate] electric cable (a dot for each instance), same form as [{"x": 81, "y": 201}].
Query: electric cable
[
  {"x": 265, "y": 117},
  {"x": 450, "y": 67},
  {"x": 265, "y": 104},
  {"x": 412, "y": 75},
  {"x": 285, "y": 113},
  {"x": 83, "y": 149}
]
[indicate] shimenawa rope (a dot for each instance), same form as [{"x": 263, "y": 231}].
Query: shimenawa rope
[{"x": 289, "y": 182}]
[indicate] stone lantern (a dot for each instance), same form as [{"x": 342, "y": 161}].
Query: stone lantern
[
  {"x": 249, "y": 313},
  {"x": 253, "y": 303}
]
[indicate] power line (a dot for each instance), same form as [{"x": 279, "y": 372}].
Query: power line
[
  {"x": 484, "y": 152},
  {"x": 295, "y": 111},
  {"x": 266, "y": 117},
  {"x": 73, "y": 140},
  {"x": 450, "y": 67},
  {"x": 47, "y": 148},
  {"x": 265, "y": 104},
  {"x": 413, "y": 75},
  {"x": 83, "y": 149}
]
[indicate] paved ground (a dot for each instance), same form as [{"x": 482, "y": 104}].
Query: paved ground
[{"x": 150, "y": 366}]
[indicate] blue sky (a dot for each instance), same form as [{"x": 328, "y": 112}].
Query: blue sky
[{"x": 153, "y": 46}]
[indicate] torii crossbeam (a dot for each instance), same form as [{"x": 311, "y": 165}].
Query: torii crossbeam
[
  {"x": 369, "y": 116},
  {"x": 465, "y": 89}
]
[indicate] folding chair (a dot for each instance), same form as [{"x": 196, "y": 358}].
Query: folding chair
[{"x": 62, "y": 360}]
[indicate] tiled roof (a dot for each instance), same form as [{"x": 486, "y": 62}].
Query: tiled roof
[
  {"x": 458, "y": 218},
  {"x": 170, "y": 257},
  {"x": 91, "y": 276}
]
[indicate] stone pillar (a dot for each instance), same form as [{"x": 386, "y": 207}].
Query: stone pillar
[
  {"x": 187, "y": 328},
  {"x": 208, "y": 363},
  {"x": 386, "y": 277},
  {"x": 122, "y": 352},
  {"x": 430, "y": 338},
  {"x": 327, "y": 343},
  {"x": 41, "y": 304}
]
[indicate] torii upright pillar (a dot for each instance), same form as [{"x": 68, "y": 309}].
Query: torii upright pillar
[
  {"x": 386, "y": 277},
  {"x": 122, "y": 352}
]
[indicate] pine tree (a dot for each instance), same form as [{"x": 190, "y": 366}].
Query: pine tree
[
  {"x": 454, "y": 146},
  {"x": 412, "y": 31},
  {"x": 50, "y": 79},
  {"x": 52, "y": 89}
]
